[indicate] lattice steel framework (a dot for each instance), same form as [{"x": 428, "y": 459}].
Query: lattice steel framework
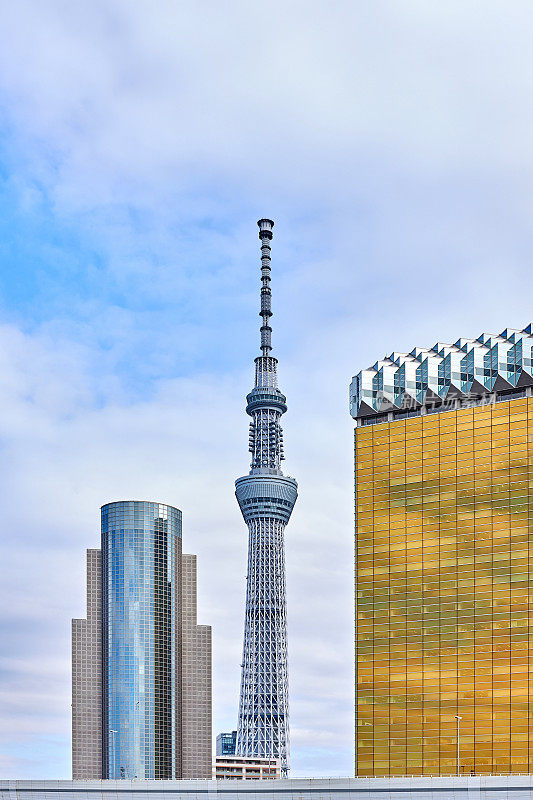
[{"x": 266, "y": 499}]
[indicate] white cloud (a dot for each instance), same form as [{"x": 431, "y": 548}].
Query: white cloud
[{"x": 136, "y": 98}]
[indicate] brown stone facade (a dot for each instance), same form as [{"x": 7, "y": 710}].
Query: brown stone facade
[{"x": 193, "y": 678}]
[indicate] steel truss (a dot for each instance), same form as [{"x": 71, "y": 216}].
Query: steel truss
[{"x": 266, "y": 498}]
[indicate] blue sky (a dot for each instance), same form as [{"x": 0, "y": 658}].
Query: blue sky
[{"x": 139, "y": 143}]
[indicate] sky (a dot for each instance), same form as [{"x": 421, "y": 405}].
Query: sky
[{"x": 139, "y": 143}]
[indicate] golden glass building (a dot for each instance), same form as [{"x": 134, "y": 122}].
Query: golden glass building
[{"x": 444, "y": 552}]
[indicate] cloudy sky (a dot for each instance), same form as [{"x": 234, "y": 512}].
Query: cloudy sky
[{"x": 392, "y": 143}]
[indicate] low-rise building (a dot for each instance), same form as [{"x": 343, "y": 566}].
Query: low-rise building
[{"x": 246, "y": 768}]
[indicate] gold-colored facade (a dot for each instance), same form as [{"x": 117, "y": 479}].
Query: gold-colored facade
[{"x": 444, "y": 624}]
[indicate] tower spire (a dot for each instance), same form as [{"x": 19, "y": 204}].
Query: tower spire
[
  {"x": 265, "y": 234},
  {"x": 266, "y": 498}
]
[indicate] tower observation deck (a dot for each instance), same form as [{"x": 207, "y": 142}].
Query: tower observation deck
[{"x": 266, "y": 498}]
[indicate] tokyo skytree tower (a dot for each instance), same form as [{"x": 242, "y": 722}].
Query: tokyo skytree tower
[{"x": 266, "y": 499}]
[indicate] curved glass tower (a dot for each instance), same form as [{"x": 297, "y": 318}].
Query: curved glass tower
[
  {"x": 266, "y": 499},
  {"x": 141, "y": 563},
  {"x": 141, "y": 664}
]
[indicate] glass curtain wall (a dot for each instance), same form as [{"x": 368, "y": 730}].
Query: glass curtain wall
[
  {"x": 443, "y": 592},
  {"x": 141, "y": 587}
]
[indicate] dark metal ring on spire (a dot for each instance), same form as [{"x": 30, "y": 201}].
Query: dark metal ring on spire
[{"x": 265, "y": 234}]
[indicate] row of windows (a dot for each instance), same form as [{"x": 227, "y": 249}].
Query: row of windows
[
  {"x": 471, "y": 540},
  {"x": 519, "y": 442},
  {"x": 483, "y": 428},
  {"x": 447, "y": 531},
  {"x": 471, "y": 467},
  {"x": 434, "y": 661},
  {"x": 400, "y": 605},
  {"x": 519, "y": 445},
  {"x": 484, "y": 481},
  {"x": 262, "y": 502},
  {"x": 466, "y": 552},
  {"x": 501, "y": 569},
  {"x": 431, "y": 675},
  {"x": 519, "y": 476},
  {"x": 519, "y": 451},
  {"x": 404, "y": 479},
  {"x": 447, "y": 510},
  {"x": 516, "y": 481},
  {"x": 519, "y": 406},
  {"x": 467, "y": 493},
  {"x": 464, "y": 496},
  {"x": 467, "y": 503},
  {"x": 401, "y": 578},
  {"x": 466, "y": 473},
  {"x": 471, "y": 463},
  {"x": 511, "y": 517},
  {"x": 504, "y": 438},
  {"x": 481, "y": 558},
  {"x": 443, "y": 469},
  {"x": 468, "y": 531},
  {"x": 505, "y": 433},
  {"x": 399, "y": 598},
  {"x": 445, "y": 426},
  {"x": 502, "y": 435}
]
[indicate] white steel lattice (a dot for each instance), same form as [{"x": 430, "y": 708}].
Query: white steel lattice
[
  {"x": 266, "y": 498},
  {"x": 264, "y": 703}
]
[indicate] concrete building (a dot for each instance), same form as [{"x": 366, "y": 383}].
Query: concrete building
[
  {"x": 266, "y": 498},
  {"x": 226, "y": 742},
  {"x": 242, "y": 768},
  {"x": 494, "y": 787},
  {"x": 141, "y": 666},
  {"x": 87, "y": 678},
  {"x": 444, "y": 643},
  {"x": 196, "y": 721}
]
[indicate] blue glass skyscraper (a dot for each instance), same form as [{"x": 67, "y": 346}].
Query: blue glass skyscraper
[
  {"x": 141, "y": 683},
  {"x": 141, "y": 548}
]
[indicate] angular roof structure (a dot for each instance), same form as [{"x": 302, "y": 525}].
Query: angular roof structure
[{"x": 467, "y": 369}]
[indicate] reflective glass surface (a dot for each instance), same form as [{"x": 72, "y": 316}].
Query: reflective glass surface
[
  {"x": 140, "y": 591},
  {"x": 444, "y": 549}
]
